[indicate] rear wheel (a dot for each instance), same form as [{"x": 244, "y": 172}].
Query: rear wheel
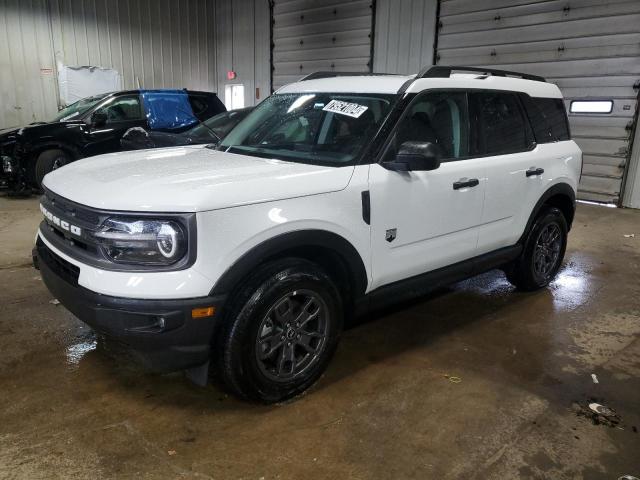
[
  {"x": 283, "y": 328},
  {"x": 48, "y": 161},
  {"x": 543, "y": 252}
]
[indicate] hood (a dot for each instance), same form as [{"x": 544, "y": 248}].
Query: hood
[
  {"x": 8, "y": 134},
  {"x": 7, "y": 141},
  {"x": 38, "y": 128},
  {"x": 188, "y": 179},
  {"x": 8, "y": 131}
]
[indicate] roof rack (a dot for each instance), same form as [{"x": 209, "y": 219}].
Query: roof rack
[
  {"x": 442, "y": 71},
  {"x": 317, "y": 75}
]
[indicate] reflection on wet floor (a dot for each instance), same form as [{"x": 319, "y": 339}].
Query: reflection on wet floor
[
  {"x": 76, "y": 352},
  {"x": 575, "y": 284}
]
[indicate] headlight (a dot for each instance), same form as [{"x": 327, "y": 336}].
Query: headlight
[
  {"x": 7, "y": 164},
  {"x": 149, "y": 242}
]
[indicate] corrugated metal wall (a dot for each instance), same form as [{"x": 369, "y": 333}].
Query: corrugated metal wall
[
  {"x": 243, "y": 45},
  {"x": 310, "y": 36},
  {"x": 404, "y": 35},
  {"x": 589, "y": 48},
  {"x": 152, "y": 44},
  {"x": 27, "y": 77}
]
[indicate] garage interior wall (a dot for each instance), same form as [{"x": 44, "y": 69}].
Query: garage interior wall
[
  {"x": 589, "y": 48},
  {"x": 151, "y": 43},
  {"x": 404, "y": 35},
  {"x": 311, "y": 36},
  {"x": 28, "y": 87}
]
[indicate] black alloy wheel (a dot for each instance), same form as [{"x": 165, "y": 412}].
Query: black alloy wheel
[
  {"x": 292, "y": 335},
  {"x": 547, "y": 250},
  {"x": 280, "y": 330}
]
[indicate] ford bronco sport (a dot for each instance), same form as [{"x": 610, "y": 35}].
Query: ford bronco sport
[{"x": 336, "y": 194}]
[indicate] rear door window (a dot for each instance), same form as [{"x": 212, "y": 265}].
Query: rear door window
[{"x": 502, "y": 127}]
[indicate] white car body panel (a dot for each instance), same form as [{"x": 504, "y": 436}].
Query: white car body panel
[
  {"x": 511, "y": 196},
  {"x": 533, "y": 88},
  {"x": 336, "y": 212},
  {"x": 348, "y": 84},
  {"x": 188, "y": 179},
  {"x": 436, "y": 225}
]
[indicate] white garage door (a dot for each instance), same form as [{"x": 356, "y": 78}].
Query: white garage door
[
  {"x": 589, "y": 48},
  {"x": 311, "y": 36}
]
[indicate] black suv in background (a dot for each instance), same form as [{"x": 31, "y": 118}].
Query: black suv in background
[{"x": 95, "y": 125}]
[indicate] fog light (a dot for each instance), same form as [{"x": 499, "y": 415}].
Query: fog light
[{"x": 203, "y": 312}]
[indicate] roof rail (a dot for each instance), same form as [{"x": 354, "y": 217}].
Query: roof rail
[
  {"x": 442, "y": 71},
  {"x": 317, "y": 75}
]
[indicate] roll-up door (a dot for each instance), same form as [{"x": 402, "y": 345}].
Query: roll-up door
[
  {"x": 309, "y": 36},
  {"x": 589, "y": 48}
]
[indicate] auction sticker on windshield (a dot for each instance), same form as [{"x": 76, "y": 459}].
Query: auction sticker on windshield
[{"x": 345, "y": 108}]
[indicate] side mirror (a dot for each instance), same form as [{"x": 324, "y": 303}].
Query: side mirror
[
  {"x": 98, "y": 119},
  {"x": 415, "y": 156}
]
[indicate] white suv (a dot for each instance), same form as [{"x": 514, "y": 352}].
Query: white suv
[{"x": 336, "y": 194}]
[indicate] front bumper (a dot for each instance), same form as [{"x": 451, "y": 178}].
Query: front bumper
[{"x": 161, "y": 334}]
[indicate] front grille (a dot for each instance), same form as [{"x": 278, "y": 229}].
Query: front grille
[
  {"x": 70, "y": 210},
  {"x": 65, "y": 270}
]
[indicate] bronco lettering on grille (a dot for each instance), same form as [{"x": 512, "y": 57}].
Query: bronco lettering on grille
[{"x": 58, "y": 222}]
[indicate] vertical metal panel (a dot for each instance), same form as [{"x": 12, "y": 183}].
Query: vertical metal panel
[
  {"x": 589, "y": 48},
  {"x": 310, "y": 36},
  {"x": 632, "y": 181},
  {"x": 27, "y": 78},
  {"x": 152, "y": 43},
  {"x": 404, "y": 35},
  {"x": 242, "y": 46}
]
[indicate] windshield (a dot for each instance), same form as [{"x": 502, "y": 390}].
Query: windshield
[
  {"x": 219, "y": 125},
  {"x": 75, "y": 110},
  {"x": 322, "y": 128}
]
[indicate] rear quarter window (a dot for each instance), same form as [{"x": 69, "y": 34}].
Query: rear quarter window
[{"x": 548, "y": 118}]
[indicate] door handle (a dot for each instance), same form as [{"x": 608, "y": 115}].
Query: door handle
[
  {"x": 534, "y": 171},
  {"x": 466, "y": 182}
]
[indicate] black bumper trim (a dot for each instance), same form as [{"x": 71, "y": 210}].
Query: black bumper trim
[{"x": 174, "y": 343}]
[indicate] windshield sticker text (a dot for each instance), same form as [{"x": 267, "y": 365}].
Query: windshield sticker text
[{"x": 345, "y": 108}]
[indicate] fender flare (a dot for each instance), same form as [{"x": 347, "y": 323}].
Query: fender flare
[
  {"x": 557, "y": 189},
  {"x": 290, "y": 240}
]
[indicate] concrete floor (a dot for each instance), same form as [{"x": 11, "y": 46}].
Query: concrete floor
[{"x": 386, "y": 408}]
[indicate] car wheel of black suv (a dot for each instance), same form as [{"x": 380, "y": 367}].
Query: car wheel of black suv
[
  {"x": 543, "y": 252},
  {"x": 281, "y": 330},
  {"x": 48, "y": 161}
]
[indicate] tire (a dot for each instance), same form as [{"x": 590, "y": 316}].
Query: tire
[
  {"x": 48, "y": 161},
  {"x": 543, "y": 252},
  {"x": 262, "y": 313}
]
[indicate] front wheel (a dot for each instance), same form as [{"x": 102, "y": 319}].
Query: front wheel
[
  {"x": 543, "y": 252},
  {"x": 283, "y": 328},
  {"x": 48, "y": 161}
]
